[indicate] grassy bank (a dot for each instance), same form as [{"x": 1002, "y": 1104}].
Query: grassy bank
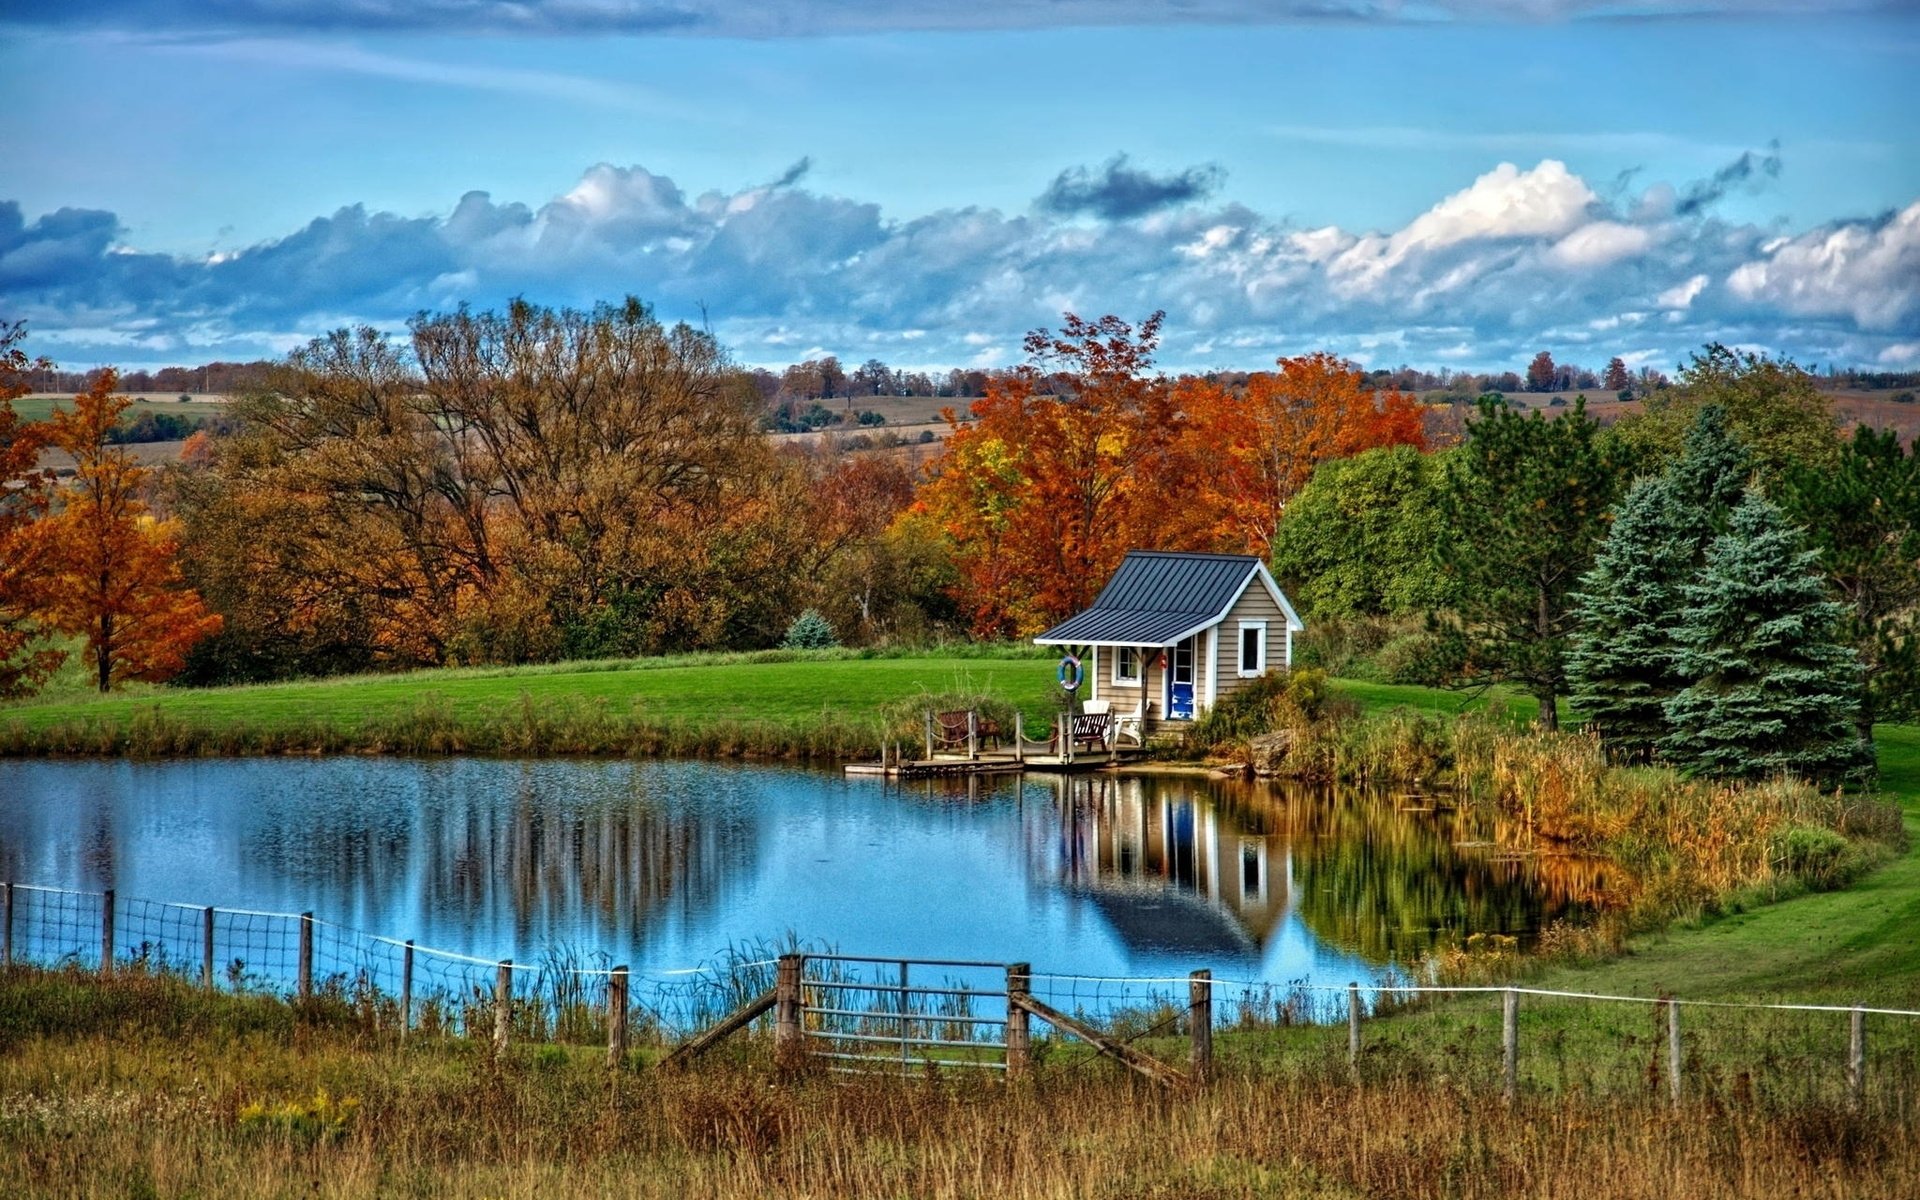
[
  {"x": 145, "y": 1088},
  {"x": 774, "y": 703}
]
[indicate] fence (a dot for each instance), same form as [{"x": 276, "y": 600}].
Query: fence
[{"x": 863, "y": 1013}]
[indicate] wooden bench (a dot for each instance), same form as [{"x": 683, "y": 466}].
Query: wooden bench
[{"x": 1088, "y": 731}]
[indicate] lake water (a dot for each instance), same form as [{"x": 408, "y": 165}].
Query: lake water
[{"x": 664, "y": 864}]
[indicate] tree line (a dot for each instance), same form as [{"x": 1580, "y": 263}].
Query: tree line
[{"x": 1699, "y": 579}]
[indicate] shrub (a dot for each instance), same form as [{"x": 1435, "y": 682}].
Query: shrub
[{"x": 810, "y": 631}]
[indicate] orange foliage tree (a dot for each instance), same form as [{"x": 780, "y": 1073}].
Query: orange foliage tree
[
  {"x": 24, "y": 664},
  {"x": 1242, "y": 457},
  {"x": 108, "y": 565},
  {"x": 1044, "y": 491}
]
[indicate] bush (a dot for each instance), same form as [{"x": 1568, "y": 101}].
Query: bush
[{"x": 810, "y": 631}]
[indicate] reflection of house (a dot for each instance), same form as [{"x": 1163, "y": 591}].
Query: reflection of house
[
  {"x": 1172, "y": 871},
  {"x": 1172, "y": 633}
]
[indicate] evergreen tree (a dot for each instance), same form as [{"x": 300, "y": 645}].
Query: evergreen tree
[
  {"x": 1621, "y": 670},
  {"x": 810, "y": 631},
  {"x": 1526, "y": 502},
  {"x": 1773, "y": 691},
  {"x": 1623, "y": 665}
]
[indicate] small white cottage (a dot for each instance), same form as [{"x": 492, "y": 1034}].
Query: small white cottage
[{"x": 1172, "y": 633}]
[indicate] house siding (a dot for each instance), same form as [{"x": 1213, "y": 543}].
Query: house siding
[{"x": 1255, "y": 604}]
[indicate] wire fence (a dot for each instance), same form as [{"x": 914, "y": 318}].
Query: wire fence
[{"x": 864, "y": 1013}]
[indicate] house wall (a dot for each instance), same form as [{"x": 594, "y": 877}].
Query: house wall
[{"x": 1255, "y": 604}]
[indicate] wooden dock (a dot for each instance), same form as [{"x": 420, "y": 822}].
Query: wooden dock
[{"x": 991, "y": 762}]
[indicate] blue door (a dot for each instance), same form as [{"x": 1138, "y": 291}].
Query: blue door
[{"x": 1180, "y": 682}]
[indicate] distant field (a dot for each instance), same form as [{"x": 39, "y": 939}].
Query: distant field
[{"x": 40, "y": 406}]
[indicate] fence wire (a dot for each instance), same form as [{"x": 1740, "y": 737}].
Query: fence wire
[{"x": 929, "y": 1015}]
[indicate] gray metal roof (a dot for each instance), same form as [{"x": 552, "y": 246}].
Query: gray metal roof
[{"x": 1156, "y": 598}]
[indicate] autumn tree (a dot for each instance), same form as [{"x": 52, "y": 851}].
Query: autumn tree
[
  {"x": 1616, "y": 378},
  {"x": 1541, "y": 373},
  {"x": 110, "y": 570},
  {"x": 1772, "y": 406},
  {"x": 1243, "y": 454},
  {"x": 1044, "y": 491},
  {"x": 25, "y": 661}
]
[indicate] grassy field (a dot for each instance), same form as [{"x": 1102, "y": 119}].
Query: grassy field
[
  {"x": 775, "y": 702},
  {"x": 40, "y": 407},
  {"x": 144, "y": 1087}
]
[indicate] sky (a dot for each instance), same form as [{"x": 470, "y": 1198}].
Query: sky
[{"x": 1449, "y": 184}]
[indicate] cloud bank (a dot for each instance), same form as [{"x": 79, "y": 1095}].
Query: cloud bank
[
  {"x": 1518, "y": 260},
  {"x": 784, "y": 18}
]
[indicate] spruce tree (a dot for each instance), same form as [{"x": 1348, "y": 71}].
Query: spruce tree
[
  {"x": 810, "y": 631},
  {"x": 1623, "y": 665},
  {"x": 1774, "y": 692},
  {"x": 1621, "y": 669}
]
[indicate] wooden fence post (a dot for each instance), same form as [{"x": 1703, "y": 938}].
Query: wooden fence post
[
  {"x": 306, "y": 956},
  {"x": 929, "y": 715},
  {"x": 1019, "y": 1032},
  {"x": 1353, "y": 1026},
  {"x": 6, "y": 927},
  {"x": 1200, "y": 1022},
  {"x": 1673, "y": 1051},
  {"x": 787, "y": 1036},
  {"x": 617, "y": 1018},
  {"x": 1019, "y": 737},
  {"x": 1510, "y": 1045},
  {"x": 106, "y": 932},
  {"x": 406, "y": 991},
  {"x": 502, "y": 1005},
  {"x": 973, "y": 734},
  {"x": 1857, "y": 1058},
  {"x": 206, "y": 949}
]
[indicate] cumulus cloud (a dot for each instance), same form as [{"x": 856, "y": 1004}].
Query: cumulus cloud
[
  {"x": 781, "y": 18},
  {"x": 1519, "y": 258},
  {"x": 1119, "y": 191}
]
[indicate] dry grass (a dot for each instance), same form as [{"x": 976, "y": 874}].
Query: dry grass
[{"x": 142, "y": 1087}]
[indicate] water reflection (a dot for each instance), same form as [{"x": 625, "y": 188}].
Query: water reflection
[{"x": 663, "y": 864}]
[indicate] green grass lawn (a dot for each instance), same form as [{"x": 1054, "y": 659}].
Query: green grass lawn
[
  {"x": 39, "y": 408},
  {"x": 794, "y": 687}
]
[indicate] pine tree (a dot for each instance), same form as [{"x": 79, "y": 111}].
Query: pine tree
[
  {"x": 1621, "y": 670},
  {"x": 1623, "y": 665},
  {"x": 1773, "y": 691},
  {"x": 810, "y": 631}
]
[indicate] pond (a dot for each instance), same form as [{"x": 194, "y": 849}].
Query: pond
[{"x": 665, "y": 864}]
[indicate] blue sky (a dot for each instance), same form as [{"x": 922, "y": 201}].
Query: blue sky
[{"x": 1445, "y": 184}]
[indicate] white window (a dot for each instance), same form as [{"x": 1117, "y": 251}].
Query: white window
[
  {"x": 1253, "y": 648},
  {"x": 1126, "y": 665}
]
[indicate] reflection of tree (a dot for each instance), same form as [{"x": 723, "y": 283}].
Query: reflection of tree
[
  {"x": 544, "y": 862},
  {"x": 1390, "y": 883},
  {"x": 1384, "y": 876}
]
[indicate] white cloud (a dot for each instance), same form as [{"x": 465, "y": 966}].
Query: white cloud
[
  {"x": 1517, "y": 260},
  {"x": 1867, "y": 272}
]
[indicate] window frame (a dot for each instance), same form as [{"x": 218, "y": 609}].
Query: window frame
[
  {"x": 1138, "y": 677},
  {"x": 1240, "y": 654}
]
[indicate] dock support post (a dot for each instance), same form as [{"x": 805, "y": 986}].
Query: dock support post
[
  {"x": 1200, "y": 1022},
  {"x": 787, "y": 1014},
  {"x": 929, "y": 730},
  {"x": 106, "y": 932},
  {"x": 1019, "y": 1032},
  {"x": 502, "y": 1005},
  {"x": 616, "y": 1018},
  {"x": 1019, "y": 737},
  {"x": 973, "y": 734},
  {"x": 1510, "y": 1045}
]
